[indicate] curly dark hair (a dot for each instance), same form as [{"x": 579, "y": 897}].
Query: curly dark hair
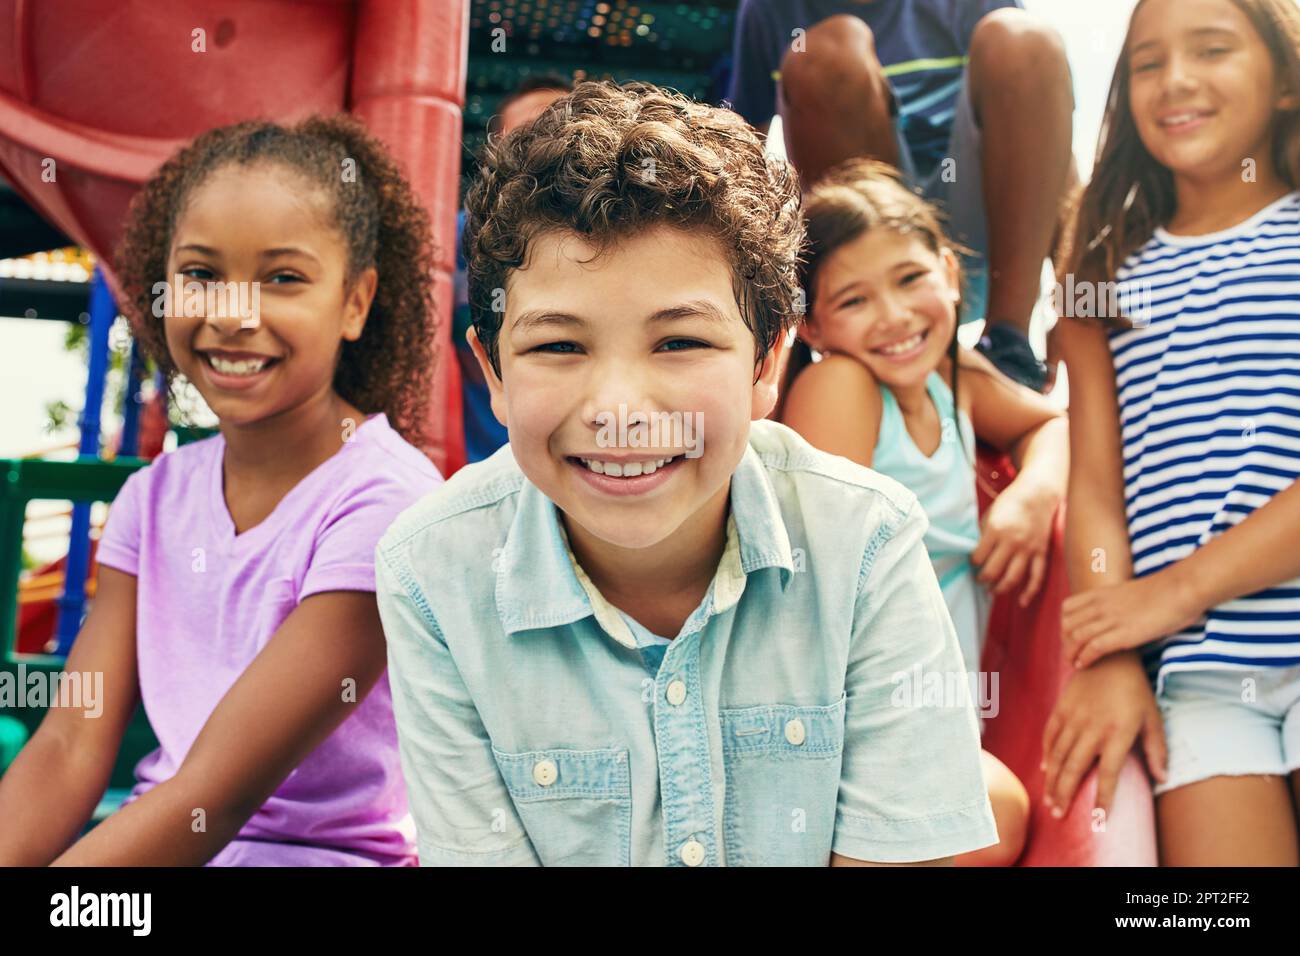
[
  {"x": 390, "y": 367},
  {"x": 611, "y": 160}
]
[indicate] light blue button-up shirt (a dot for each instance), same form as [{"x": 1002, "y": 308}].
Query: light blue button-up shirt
[{"x": 787, "y": 720}]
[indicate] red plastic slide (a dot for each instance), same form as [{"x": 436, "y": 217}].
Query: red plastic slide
[
  {"x": 1024, "y": 650},
  {"x": 94, "y": 96}
]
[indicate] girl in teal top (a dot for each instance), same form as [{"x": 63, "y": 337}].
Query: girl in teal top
[
  {"x": 882, "y": 291},
  {"x": 945, "y": 486}
]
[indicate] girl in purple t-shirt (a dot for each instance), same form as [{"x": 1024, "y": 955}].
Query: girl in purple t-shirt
[{"x": 285, "y": 273}]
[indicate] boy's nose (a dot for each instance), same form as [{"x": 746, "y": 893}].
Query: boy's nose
[{"x": 612, "y": 386}]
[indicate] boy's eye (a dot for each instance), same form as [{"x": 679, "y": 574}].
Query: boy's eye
[
  {"x": 557, "y": 348},
  {"x": 685, "y": 344},
  {"x": 853, "y": 301},
  {"x": 912, "y": 277},
  {"x": 1214, "y": 51}
]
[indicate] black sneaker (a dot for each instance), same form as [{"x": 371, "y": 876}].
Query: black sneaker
[{"x": 1010, "y": 351}]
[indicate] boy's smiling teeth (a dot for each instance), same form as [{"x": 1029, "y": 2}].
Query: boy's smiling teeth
[
  {"x": 627, "y": 469},
  {"x": 906, "y": 345}
]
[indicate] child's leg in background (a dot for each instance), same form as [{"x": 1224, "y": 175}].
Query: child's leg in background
[
  {"x": 1021, "y": 97},
  {"x": 1010, "y": 811},
  {"x": 1233, "y": 738},
  {"x": 834, "y": 101},
  {"x": 1024, "y": 103}
]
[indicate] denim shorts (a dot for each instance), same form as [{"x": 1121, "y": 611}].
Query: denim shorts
[{"x": 1230, "y": 723}]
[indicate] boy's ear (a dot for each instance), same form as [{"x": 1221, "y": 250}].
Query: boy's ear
[
  {"x": 495, "y": 389},
  {"x": 767, "y": 388},
  {"x": 356, "y": 307}
]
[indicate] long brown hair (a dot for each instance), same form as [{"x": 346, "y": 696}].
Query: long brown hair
[
  {"x": 854, "y": 198},
  {"x": 1131, "y": 193}
]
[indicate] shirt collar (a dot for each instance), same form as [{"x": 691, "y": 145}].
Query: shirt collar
[
  {"x": 539, "y": 583},
  {"x": 725, "y": 589}
]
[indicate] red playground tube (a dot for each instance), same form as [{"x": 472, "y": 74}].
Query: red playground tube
[
  {"x": 94, "y": 96},
  {"x": 1024, "y": 650}
]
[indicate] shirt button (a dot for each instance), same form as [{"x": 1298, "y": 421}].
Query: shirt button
[
  {"x": 692, "y": 853},
  {"x": 794, "y": 731},
  {"x": 676, "y": 693},
  {"x": 544, "y": 772}
]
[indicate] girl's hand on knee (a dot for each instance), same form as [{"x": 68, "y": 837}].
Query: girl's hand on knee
[
  {"x": 1124, "y": 616},
  {"x": 1099, "y": 715}
]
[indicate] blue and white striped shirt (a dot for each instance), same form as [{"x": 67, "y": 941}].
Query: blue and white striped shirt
[{"x": 1209, "y": 399}]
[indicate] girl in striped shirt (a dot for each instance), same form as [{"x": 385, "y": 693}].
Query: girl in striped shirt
[{"x": 1184, "y": 366}]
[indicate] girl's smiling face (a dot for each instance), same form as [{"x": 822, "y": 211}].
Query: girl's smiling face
[
  {"x": 1203, "y": 87},
  {"x": 651, "y": 327},
  {"x": 263, "y": 225},
  {"x": 889, "y": 301}
]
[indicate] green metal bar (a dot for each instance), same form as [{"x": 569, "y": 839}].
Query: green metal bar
[{"x": 24, "y": 480}]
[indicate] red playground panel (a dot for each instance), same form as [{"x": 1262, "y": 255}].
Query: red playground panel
[
  {"x": 1024, "y": 649},
  {"x": 87, "y": 117}
]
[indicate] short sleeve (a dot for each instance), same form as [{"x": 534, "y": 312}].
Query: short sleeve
[
  {"x": 343, "y": 558},
  {"x": 752, "y": 93},
  {"x": 119, "y": 543},
  {"x": 912, "y": 785},
  {"x": 463, "y": 812}
]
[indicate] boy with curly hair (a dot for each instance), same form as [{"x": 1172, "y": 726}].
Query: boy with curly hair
[{"x": 656, "y": 628}]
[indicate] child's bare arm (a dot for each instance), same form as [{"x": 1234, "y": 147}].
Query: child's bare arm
[
  {"x": 285, "y": 704},
  {"x": 1096, "y": 530},
  {"x": 1103, "y": 708},
  {"x": 1018, "y": 525},
  {"x": 1019, "y": 421},
  {"x": 1256, "y": 554},
  {"x": 49, "y": 792},
  {"x": 835, "y": 405}
]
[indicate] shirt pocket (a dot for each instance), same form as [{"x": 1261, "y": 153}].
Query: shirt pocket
[
  {"x": 575, "y": 805},
  {"x": 783, "y": 777}
]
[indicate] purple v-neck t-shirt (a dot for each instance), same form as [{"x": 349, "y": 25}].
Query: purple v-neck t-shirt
[{"x": 209, "y": 600}]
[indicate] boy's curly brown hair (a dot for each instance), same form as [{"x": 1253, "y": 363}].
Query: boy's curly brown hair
[
  {"x": 390, "y": 367},
  {"x": 611, "y": 160}
]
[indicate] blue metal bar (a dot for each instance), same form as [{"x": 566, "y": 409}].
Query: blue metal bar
[
  {"x": 103, "y": 310},
  {"x": 134, "y": 402}
]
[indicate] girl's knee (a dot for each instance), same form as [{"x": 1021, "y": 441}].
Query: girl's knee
[{"x": 1011, "y": 811}]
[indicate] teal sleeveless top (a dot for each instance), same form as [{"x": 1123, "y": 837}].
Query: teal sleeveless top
[{"x": 945, "y": 485}]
